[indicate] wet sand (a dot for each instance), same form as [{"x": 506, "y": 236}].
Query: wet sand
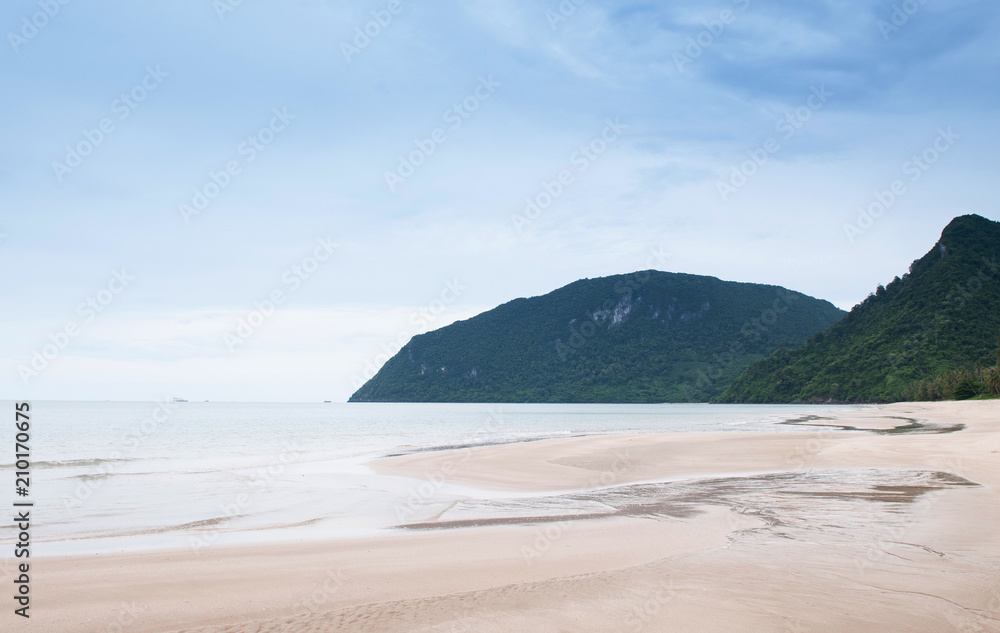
[{"x": 890, "y": 527}]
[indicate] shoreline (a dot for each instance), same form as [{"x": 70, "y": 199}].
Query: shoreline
[
  {"x": 651, "y": 457},
  {"x": 653, "y": 532}
]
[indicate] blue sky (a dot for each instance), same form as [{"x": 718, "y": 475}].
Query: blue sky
[{"x": 404, "y": 158}]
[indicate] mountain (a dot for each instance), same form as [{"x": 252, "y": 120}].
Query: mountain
[
  {"x": 941, "y": 317},
  {"x": 645, "y": 337}
]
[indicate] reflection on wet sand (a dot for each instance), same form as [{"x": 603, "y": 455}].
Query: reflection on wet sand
[{"x": 778, "y": 499}]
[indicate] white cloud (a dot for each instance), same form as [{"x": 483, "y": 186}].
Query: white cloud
[{"x": 294, "y": 354}]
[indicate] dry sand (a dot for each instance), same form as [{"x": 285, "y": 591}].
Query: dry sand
[{"x": 829, "y": 531}]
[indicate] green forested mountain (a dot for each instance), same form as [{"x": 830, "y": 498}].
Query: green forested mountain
[
  {"x": 941, "y": 317},
  {"x": 646, "y": 337}
]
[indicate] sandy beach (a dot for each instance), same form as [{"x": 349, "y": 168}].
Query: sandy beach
[{"x": 878, "y": 521}]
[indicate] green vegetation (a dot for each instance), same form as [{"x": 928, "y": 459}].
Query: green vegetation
[
  {"x": 925, "y": 336},
  {"x": 963, "y": 384},
  {"x": 646, "y": 337}
]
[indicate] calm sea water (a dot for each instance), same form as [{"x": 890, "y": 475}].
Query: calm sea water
[{"x": 111, "y": 476}]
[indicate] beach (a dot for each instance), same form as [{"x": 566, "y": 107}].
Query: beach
[{"x": 882, "y": 519}]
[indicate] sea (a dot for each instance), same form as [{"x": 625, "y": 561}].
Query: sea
[{"x": 127, "y": 476}]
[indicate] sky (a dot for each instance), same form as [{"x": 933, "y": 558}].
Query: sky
[{"x": 255, "y": 200}]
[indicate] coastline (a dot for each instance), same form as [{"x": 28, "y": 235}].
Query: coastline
[{"x": 655, "y": 532}]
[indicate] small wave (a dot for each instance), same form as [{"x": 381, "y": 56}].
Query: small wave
[
  {"x": 193, "y": 525},
  {"x": 74, "y": 463},
  {"x": 282, "y": 526},
  {"x": 90, "y": 476},
  {"x": 410, "y": 450}
]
